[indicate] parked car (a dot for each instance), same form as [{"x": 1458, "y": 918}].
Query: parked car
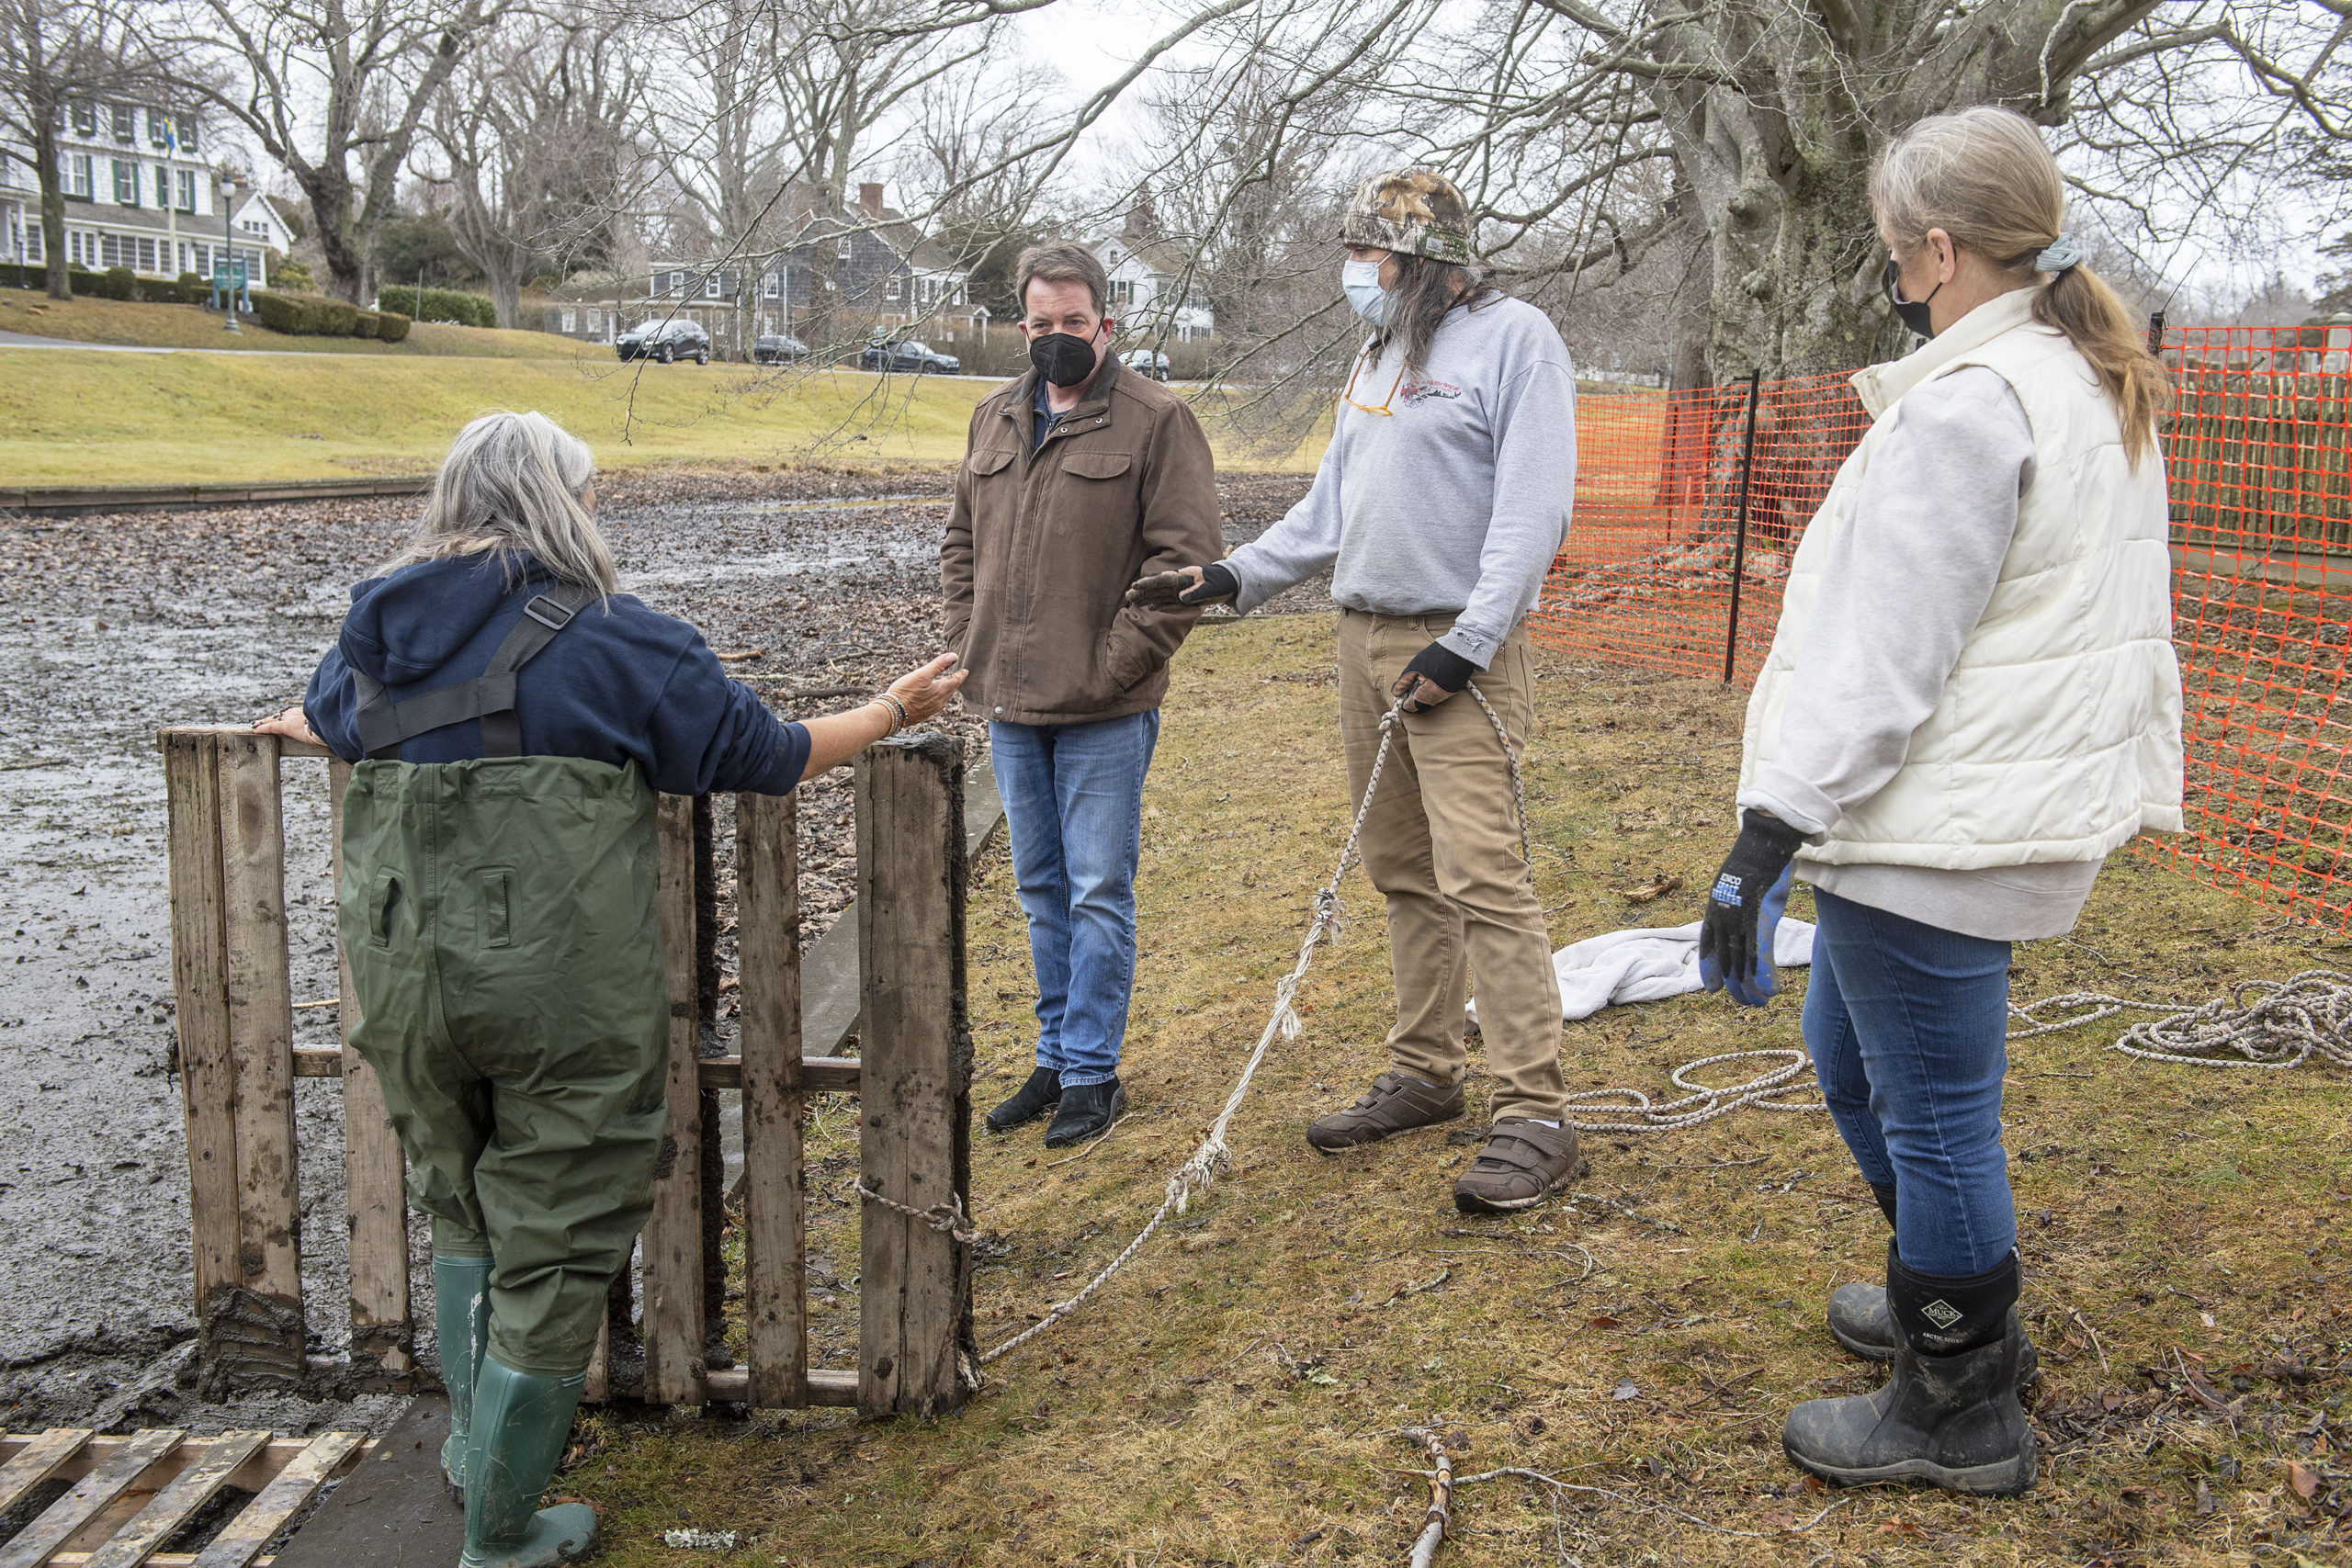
[
  {"x": 1146, "y": 362},
  {"x": 777, "y": 349},
  {"x": 905, "y": 355},
  {"x": 664, "y": 342}
]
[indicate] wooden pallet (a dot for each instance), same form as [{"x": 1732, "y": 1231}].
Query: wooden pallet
[{"x": 131, "y": 1494}]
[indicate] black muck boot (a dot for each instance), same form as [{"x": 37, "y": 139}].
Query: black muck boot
[
  {"x": 1088, "y": 1108},
  {"x": 1031, "y": 1100},
  {"x": 1950, "y": 1415}
]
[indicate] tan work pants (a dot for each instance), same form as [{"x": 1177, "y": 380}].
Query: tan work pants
[{"x": 1441, "y": 844}]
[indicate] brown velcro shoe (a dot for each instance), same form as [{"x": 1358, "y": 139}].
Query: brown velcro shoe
[
  {"x": 1524, "y": 1162},
  {"x": 1395, "y": 1104}
]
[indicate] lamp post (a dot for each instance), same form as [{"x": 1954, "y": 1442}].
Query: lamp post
[{"x": 229, "y": 250}]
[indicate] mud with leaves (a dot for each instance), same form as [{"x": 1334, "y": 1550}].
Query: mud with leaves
[{"x": 1251, "y": 1390}]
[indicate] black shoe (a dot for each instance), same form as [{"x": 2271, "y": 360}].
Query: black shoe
[
  {"x": 1861, "y": 1320},
  {"x": 1033, "y": 1099},
  {"x": 1086, "y": 1109},
  {"x": 1952, "y": 1421}
]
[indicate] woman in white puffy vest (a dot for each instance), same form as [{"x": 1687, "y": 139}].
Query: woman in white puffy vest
[{"x": 1971, "y": 699}]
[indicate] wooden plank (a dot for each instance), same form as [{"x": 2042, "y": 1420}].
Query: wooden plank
[
  {"x": 733, "y": 1387},
  {"x": 818, "y": 1074},
  {"x": 252, "y": 1476},
  {"x": 915, "y": 1133},
  {"x": 178, "y": 1501},
  {"x": 237, "y": 1545},
  {"x": 767, "y": 919},
  {"x": 36, "y": 1459},
  {"x": 88, "y": 1497},
  {"x": 200, "y": 1005},
  {"x": 261, "y": 1019},
  {"x": 595, "y": 1391},
  {"x": 672, "y": 1248},
  {"x": 375, "y": 1177}
]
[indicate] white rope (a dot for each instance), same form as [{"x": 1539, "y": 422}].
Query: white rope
[
  {"x": 1703, "y": 1104},
  {"x": 2288, "y": 1022}
]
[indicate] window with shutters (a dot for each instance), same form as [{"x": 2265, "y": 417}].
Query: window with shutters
[
  {"x": 85, "y": 119},
  {"x": 163, "y": 185},
  {"x": 188, "y": 190},
  {"x": 125, "y": 121},
  {"x": 186, "y": 126},
  {"x": 159, "y": 128},
  {"x": 77, "y": 175},
  {"x": 126, "y": 183}
]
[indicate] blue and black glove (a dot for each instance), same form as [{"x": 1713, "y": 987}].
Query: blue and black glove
[{"x": 1744, "y": 910}]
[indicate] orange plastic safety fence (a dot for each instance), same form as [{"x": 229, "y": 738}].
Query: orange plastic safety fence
[
  {"x": 2256, "y": 452},
  {"x": 2259, "y": 450}
]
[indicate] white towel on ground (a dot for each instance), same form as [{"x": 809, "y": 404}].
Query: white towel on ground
[{"x": 1647, "y": 966}]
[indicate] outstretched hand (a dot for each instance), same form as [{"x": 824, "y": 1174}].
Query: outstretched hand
[
  {"x": 927, "y": 690},
  {"x": 1187, "y": 586}
]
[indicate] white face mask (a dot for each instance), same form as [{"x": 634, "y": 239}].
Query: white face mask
[{"x": 1361, "y": 280}]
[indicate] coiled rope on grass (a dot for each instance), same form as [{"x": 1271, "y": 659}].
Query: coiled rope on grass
[{"x": 2287, "y": 1023}]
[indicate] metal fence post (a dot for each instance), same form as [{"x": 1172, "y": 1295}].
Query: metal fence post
[{"x": 1739, "y": 539}]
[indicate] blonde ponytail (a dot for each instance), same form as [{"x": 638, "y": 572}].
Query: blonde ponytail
[{"x": 1985, "y": 177}]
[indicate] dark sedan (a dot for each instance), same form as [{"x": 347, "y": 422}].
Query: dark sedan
[{"x": 906, "y": 356}]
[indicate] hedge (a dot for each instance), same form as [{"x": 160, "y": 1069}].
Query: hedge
[
  {"x": 438, "y": 305},
  {"x": 314, "y": 315}
]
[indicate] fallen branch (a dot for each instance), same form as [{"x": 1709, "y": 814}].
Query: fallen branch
[
  {"x": 1412, "y": 1289},
  {"x": 1638, "y": 1502},
  {"x": 1440, "y": 1495}
]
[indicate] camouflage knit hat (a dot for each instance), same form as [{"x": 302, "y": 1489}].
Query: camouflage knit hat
[{"x": 1418, "y": 211}]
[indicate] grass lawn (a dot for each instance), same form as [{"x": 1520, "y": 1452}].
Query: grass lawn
[
  {"x": 1234, "y": 1397},
  {"x": 192, "y": 326},
  {"x": 100, "y": 418}
]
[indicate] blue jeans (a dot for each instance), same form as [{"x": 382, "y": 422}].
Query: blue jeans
[
  {"x": 1073, "y": 798},
  {"x": 1907, "y": 1024}
]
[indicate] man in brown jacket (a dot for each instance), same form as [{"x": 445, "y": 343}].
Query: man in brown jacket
[{"x": 1079, "y": 478}]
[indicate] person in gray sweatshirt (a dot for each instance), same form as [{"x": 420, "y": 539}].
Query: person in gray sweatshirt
[{"x": 1439, "y": 507}]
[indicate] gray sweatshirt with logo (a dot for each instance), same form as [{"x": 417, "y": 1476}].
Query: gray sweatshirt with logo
[
  {"x": 1454, "y": 500},
  {"x": 1902, "y": 590}
]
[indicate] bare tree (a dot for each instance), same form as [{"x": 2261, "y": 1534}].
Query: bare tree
[
  {"x": 534, "y": 151},
  {"x": 334, "y": 91},
  {"x": 1587, "y": 133},
  {"x": 53, "y": 54}
]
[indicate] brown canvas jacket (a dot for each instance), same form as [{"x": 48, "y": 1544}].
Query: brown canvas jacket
[{"x": 1041, "y": 547}]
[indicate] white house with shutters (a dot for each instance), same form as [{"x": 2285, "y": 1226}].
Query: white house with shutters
[
  {"x": 1145, "y": 269},
  {"x": 138, "y": 194}
]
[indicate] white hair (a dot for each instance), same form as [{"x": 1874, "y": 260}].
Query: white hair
[{"x": 511, "y": 486}]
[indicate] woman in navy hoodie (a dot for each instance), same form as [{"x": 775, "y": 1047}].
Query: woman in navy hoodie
[{"x": 511, "y": 718}]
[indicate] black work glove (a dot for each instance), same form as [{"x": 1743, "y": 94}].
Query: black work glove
[
  {"x": 1216, "y": 585},
  {"x": 1744, "y": 907},
  {"x": 1436, "y": 673}
]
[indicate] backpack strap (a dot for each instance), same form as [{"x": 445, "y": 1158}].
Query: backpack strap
[{"x": 385, "y": 724}]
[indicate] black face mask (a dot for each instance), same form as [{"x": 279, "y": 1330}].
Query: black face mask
[
  {"x": 1913, "y": 312},
  {"x": 1062, "y": 358}
]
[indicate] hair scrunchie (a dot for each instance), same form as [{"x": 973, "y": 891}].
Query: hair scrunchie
[{"x": 2060, "y": 254}]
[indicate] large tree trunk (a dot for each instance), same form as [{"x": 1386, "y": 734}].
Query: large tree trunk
[
  {"x": 1760, "y": 100},
  {"x": 53, "y": 206}
]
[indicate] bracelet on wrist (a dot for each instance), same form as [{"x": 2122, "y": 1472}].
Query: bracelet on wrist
[{"x": 898, "y": 710}]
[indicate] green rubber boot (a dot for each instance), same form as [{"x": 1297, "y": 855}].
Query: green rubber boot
[
  {"x": 520, "y": 1424},
  {"x": 461, "y": 1324}
]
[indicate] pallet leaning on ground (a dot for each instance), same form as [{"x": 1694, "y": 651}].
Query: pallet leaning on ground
[
  {"x": 131, "y": 1494},
  {"x": 238, "y": 1064}
]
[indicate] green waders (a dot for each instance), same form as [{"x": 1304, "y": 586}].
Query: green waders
[{"x": 506, "y": 949}]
